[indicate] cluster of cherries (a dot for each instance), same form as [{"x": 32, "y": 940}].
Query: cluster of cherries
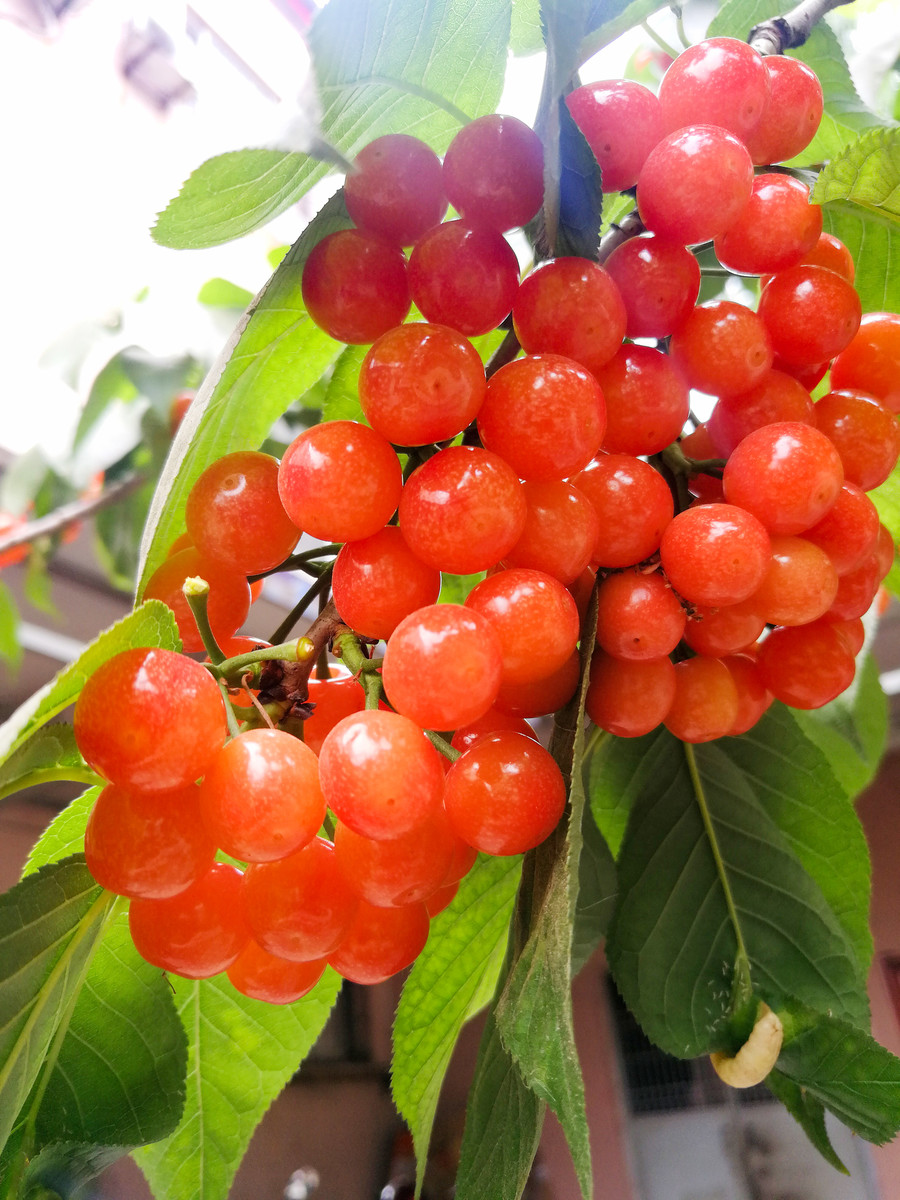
[{"x": 731, "y": 565}]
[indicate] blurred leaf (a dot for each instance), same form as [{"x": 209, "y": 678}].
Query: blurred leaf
[
  {"x": 117, "y": 530},
  {"x": 150, "y": 625},
  {"x": 222, "y": 293},
  {"x": 10, "y": 647},
  {"x": 382, "y": 66},
  {"x": 241, "y": 1054},
  {"x": 110, "y": 383},
  {"x": 852, "y": 730},
  {"x": 21, "y": 481},
  {"x": 37, "y": 586},
  {"x": 461, "y": 960},
  {"x": 610, "y": 19}
]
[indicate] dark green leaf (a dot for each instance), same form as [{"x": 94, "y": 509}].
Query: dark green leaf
[
  {"x": 580, "y": 192},
  {"x": 242, "y": 1053},
  {"x": 615, "y": 776},
  {"x": 274, "y": 355},
  {"x": 50, "y": 754},
  {"x": 150, "y": 625},
  {"x": 382, "y": 66},
  {"x": 459, "y": 965},
  {"x": 596, "y": 892},
  {"x": 50, "y": 925},
  {"x": 10, "y": 646},
  {"x": 843, "y": 1068},
  {"x": 845, "y": 114},
  {"x": 62, "y": 1169},
  {"x": 712, "y": 902},
  {"x": 808, "y": 1112},
  {"x": 119, "y": 1078},
  {"x": 851, "y": 731},
  {"x": 797, "y": 785},
  {"x": 222, "y": 293},
  {"x": 503, "y": 1126}
]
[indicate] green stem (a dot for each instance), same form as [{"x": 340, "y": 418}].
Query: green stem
[
  {"x": 679, "y": 25},
  {"x": 742, "y": 986},
  {"x": 230, "y": 718},
  {"x": 301, "y": 606},
  {"x": 298, "y": 561},
  {"x": 348, "y": 648},
  {"x": 196, "y": 592},
  {"x": 233, "y": 669},
  {"x": 661, "y": 42},
  {"x": 442, "y": 745}
]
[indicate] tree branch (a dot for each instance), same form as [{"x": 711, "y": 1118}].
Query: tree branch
[
  {"x": 69, "y": 514},
  {"x": 784, "y": 33}
]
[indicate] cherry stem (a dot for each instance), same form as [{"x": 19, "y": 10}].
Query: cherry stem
[
  {"x": 196, "y": 592},
  {"x": 300, "y": 562},
  {"x": 230, "y": 718},
  {"x": 791, "y": 30},
  {"x": 661, "y": 42},
  {"x": 630, "y": 226},
  {"x": 442, "y": 745},
  {"x": 233, "y": 669},
  {"x": 68, "y": 514},
  {"x": 347, "y": 646}
]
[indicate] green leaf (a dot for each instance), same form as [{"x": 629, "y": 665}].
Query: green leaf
[
  {"x": 596, "y": 892},
  {"x": 580, "y": 192},
  {"x": 534, "y": 1009},
  {"x": 460, "y": 962},
  {"x": 65, "y": 833},
  {"x": 455, "y": 588},
  {"x": 422, "y": 67},
  {"x": 887, "y": 500},
  {"x": 274, "y": 355},
  {"x": 50, "y": 925},
  {"x": 50, "y": 754},
  {"x": 867, "y": 172},
  {"x": 874, "y": 241},
  {"x": 616, "y": 774},
  {"x": 61, "y": 1169},
  {"x": 119, "y": 1078},
  {"x": 241, "y": 1053},
  {"x": 341, "y": 401},
  {"x": 10, "y": 647},
  {"x": 503, "y": 1126},
  {"x": 851, "y": 731},
  {"x": 525, "y": 34},
  {"x": 843, "y": 1068},
  {"x": 713, "y": 904},
  {"x": 797, "y": 784},
  {"x": 845, "y": 115},
  {"x": 808, "y": 1112},
  {"x": 150, "y": 625},
  {"x": 110, "y": 384},
  {"x": 118, "y": 530},
  {"x": 222, "y": 293}
]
